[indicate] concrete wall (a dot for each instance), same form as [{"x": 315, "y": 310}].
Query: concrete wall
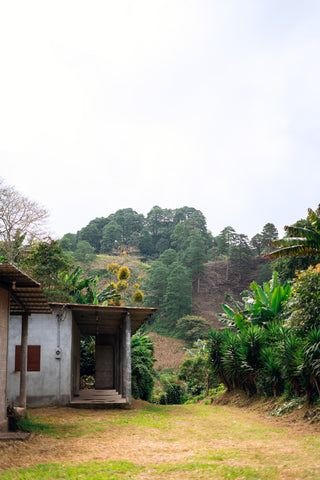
[
  {"x": 53, "y": 384},
  {"x": 4, "y": 320},
  {"x": 104, "y": 357}
]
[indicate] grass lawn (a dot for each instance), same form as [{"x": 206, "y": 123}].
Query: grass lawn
[{"x": 160, "y": 442}]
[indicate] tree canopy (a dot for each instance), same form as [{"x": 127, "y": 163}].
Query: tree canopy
[{"x": 21, "y": 219}]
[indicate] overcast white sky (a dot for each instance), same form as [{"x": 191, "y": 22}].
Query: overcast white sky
[{"x": 210, "y": 104}]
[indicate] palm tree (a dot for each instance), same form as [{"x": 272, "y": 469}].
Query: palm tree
[{"x": 300, "y": 240}]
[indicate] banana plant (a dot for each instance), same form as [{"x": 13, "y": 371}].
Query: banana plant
[
  {"x": 300, "y": 240},
  {"x": 235, "y": 315},
  {"x": 267, "y": 301},
  {"x": 84, "y": 290},
  {"x": 259, "y": 306}
]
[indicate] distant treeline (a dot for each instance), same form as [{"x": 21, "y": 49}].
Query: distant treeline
[{"x": 160, "y": 230}]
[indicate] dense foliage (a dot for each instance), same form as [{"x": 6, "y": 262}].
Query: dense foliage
[
  {"x": 271, "y": 340},
  {"x": 48, "y": 264},
  {"x": 304, "y": 303},
  {"x": 260, "y": 305},
  {"x": 87, "y": 355},
  {"x": 280, "y": 354},
  {"x": 142, "y": 361},
  {"x": 192, "y": 327},
  {"x": 159, "y": 230}
]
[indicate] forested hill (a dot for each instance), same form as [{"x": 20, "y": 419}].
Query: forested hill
[
  {"x": 167, "y": 259},
  {"x": 159, "y": 230},
  {"x": 188, "y": 269},
  {"x": 173, "y": 261},
  {"x": 150, "y": 236}
]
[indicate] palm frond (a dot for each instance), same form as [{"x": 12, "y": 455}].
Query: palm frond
[
  {"x": 300, "y": 241},
  {"x": 294, "y": 251}
]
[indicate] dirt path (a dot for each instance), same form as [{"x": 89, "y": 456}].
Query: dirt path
[{"x": 218, "y": 439}]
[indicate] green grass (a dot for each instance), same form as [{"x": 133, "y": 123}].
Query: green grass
[
  {"x": 36, "y": 425},
  {"x": 103, "y": 470},
  {"x": 127, "y": 470},
  {"x": 161, "y": 442}
]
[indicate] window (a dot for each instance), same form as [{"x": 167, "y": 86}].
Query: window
[{"x": 33, "y": 362}]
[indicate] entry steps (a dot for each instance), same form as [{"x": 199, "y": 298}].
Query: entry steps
[{"x": 91, "y": 398}]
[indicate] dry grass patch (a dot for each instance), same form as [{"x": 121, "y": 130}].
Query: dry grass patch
[
  {"x": 152, "y": 441},
  {"x": 168, "y": 352}
]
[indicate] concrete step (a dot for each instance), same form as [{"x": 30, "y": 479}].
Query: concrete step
[
  {"x": 14, "y": 436},
  {"x": 90, "y": 398}
]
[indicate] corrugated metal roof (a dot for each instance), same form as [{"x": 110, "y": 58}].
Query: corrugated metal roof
[
  {"x": 99, "y": 319},
  {"x": 26, "y": 295}
]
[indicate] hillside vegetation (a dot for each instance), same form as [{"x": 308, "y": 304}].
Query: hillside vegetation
[{"x": 168, "y": 259}]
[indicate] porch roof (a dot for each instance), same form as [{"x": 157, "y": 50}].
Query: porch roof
[
  {"x": 99, "y": 319},
  {"x": 26, "y": 295}
]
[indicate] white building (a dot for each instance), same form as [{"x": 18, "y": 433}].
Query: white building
[
  {"x": 19, "y": 294},
  {"x": 53, "y": 370},
  {"x": 40, "y": 348}
]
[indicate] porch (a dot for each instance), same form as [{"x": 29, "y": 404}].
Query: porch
[{"x": 112, "y": 328}]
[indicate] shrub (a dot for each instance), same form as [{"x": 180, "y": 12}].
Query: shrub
[
  {"x": 171, "y": 391},
  {"x": 113, "y": 268},
  {"x": 123, "y": 273},
  {"x": 122, "y": 285},
  {"x": 191, "y": 327},
  {"x": 193, "y": 372},
  {"x": 174, "y": 394},
  {"x": 137, "y": 296},
  {"x": 142, "y": 360},
  {"x": 304, "y": 301},
  {"x": 142, "y": 379}
]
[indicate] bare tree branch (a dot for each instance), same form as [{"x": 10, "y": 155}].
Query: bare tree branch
[{"x": 19, "y": 217}]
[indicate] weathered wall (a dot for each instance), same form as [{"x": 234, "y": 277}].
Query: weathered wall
[
  {"x": 104, "y": 357},
  {"x": 53, "y": 384},
  {"x": 4, "y": 319}
]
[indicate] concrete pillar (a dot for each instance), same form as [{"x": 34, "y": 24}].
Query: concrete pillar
[
  {"x": 24, "y": 359},
  {"x": 127, "y": 359},
  {"x": 4, "y": 326},
  {"x": 116, "y": 362},
  {"x": 121, "y": 362}
]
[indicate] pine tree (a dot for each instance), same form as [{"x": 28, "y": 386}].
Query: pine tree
[{"x": 178, "y": 293}]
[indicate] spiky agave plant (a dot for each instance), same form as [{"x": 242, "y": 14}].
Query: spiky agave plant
[
  {"x": 215, "y": 341},
  {"x": 292, "y": 361},
  {"x": 311, "y": 351},
  {"x": 271, "y": 375},
  {"x": 232, "y": 359},
  {"x": 252, "y": 342},
  {"x": 275, "y": 332}
]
